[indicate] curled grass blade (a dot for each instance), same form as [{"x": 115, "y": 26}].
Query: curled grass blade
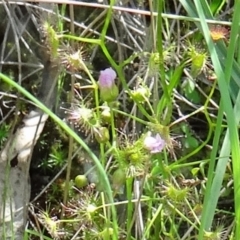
[{"x": 65, "y": 127}]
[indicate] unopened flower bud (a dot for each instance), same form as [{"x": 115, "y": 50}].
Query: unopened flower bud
[
  {"x": 106, "y": 115},
  {"x": 118, "y": 178},
  {"x": 107, "y": 86},
  {"x": 140, "y": 94},
  {"x": 106, "y": 233},
  {"x": 102, "y": 134},
  {"x": 81, "y": 181}
]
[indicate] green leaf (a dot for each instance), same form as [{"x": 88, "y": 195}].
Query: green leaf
[{"x": 216, "y": 6}]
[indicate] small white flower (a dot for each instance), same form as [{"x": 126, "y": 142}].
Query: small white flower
[{"x": 154, "y": 144}]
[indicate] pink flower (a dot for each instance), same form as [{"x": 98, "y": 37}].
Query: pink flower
[
  {"x": 154, "y": 144},
  {"x": 106, "y": 78},
  {"x": 107, "y": 86}
]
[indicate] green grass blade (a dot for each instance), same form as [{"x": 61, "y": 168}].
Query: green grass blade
[{"x": 227, "y": 105}]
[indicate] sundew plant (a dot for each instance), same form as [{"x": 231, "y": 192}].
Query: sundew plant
[{"x": 119, "y": 120}]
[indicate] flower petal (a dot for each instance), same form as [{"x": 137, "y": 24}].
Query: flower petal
[
  {"x": 154, "y": 144},
  {"x": 106, "y": 78}
]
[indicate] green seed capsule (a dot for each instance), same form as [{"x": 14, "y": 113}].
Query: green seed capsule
[
  {"x": 81, "y": 181},
  {"x": 102, "y": 135},
  {"x": 118, "y": 178}
]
